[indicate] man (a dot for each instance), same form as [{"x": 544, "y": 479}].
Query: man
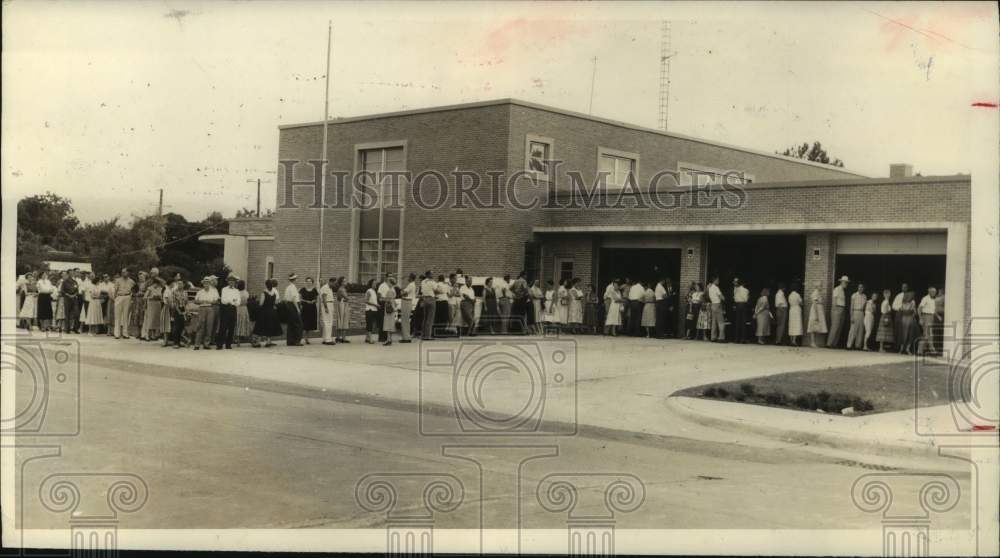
[
  {"x": 387, "y": 302},
  {"x": 837, "y": 315},
  {"x": 671, "y": 298},
  {"x": 327, "y": 305},
  {"x": 741, "y": 295},
  {"x": 897, "y": 303},
  {"x": 660, "y": 301},
  {"x": 856, "y": 335},
  {"x": 123, "y": 302},
  {"x": 635, "y": 294},
  {"x": 715, "y": 298},
  {"x": 519, "y": 312},
  {"x": 928, "y": 312},
  {"x": 427, "y": 303},
  {"x": 939, "y": 319},
  {"x": 467, "y": 306},
  {"x": 780, "y": 314},
  {"x": 69, "y": 290},
  {"x": 293, "y": 337},
  {"x": 407, "y": 297},
  {"x": 229, "y": 300},
  {"x": 504, "y": 299},
  {"x": 176, "y": 303}
]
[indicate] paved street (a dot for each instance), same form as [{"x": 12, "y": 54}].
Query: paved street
[{"x": 225, "y": 456}]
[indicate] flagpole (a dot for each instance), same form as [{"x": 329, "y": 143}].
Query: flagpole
[{"x": 322, "y": 192}]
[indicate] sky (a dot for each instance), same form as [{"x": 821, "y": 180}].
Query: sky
[{"x": 106, "y": 103}]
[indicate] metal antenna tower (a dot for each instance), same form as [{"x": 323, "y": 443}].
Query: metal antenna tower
[{"x": 665, "y": 56}]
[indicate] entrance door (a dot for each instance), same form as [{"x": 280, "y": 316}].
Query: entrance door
[
  {"x": 638, "y": 264},
  {"x": 564, "y": 270}
]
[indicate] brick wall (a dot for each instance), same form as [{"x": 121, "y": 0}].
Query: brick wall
[
  {"x": 257, "y": 253},
  {"x": 251, "y": 226}
]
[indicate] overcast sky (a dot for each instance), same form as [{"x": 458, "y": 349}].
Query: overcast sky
[{"x": 108, "y": 102}]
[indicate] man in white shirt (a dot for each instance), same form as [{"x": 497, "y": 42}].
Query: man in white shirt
[
  {"x": 293, "y": 331},
  {"x": 741, "y": 295},
  {"x": 716, "y": 299},
  {"x": 504, "y": 300},
  {"x": 427, "y": 303},
  {"x": 856, "y": 335},
  {"x": 837, "y": 312},
  {"x": 387, "y": 308},
  {"x": 780, "y": 314},
  {"x": 408, "y": 297},
  {"x": 467, "y": 306},
  {"x": 897, "y": 303},
  {"x": 635, "y": 294},
  {"x": 927, "y": 310},
  {"x": 327, "y": 309},
  {"x": 229, "y": 300},
  {"x": 660, "y": 298}
]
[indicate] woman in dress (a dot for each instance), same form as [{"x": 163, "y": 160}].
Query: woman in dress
[
  {"x": 267, "y": 325},
  {"x": 537, "y": 305},
  {"x": 614, "y": 317},
  {"x": 574, "y": 312},
  {"x": 693, "y": 311},
  {"x": 591, "y": 313},
  {"x": 648, "y": 320},
  {"x": 244, "y": 329},
  {"x": 562, "y": 306},
  {"x": 29, "y": 304},
  {"x": 491, "y": 312},
  {"x": 885, "y": 335},
  {"x": 762, "y": 313},
  {"x": 44, "y": 302},
  {"x": 704, "y": 315},
  {"x": 869, "y": 319},
  {"x": 154, "y": 307},
  {"x": 343, "y": 311},
  {"x": 137, "y": 309},
  {"x": 794, "y": 317},
  {"x": 166, "y": 327},
  {"x": 95, "y": 311},
  {"x": 309, "y": 296},
  {"x": 59, "y": 307},
  {"x": 907, "y": 322},
  {"x": 817, "y": 315},
  {"x": 551, "y": 302}
]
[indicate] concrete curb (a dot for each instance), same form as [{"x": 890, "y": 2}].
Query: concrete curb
[{"x": 893, "y": 448}]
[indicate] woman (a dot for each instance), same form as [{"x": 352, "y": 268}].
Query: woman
[
  {"x": 551, "y": 301},
  {"x": 591, "y": 312},
  {"x": 29, "y": 304},
  {"x": 693, "y": 311},
  {"x": 309, "y": 295},
  {"x": 648, "y": 320},
  {"x": 44, "y": 301},
  {"x": 454, "y": 303},
  {"x": 267, "y": 325},
  {"x": 343, "y": 310},
  {"x": 817, "y": 315},
  {"x": 562, "y": 309},
  {"x": 614, "y": 317},
  {"x": 491, "y": 311},
  {"x": 137, "y": 314},
  {"x": 58, "y": 303},
  {"x": 442, "y": 311},
  {"x": 762, "y": 313},
  {"x": 794, "y": 317},
  {"x": 371, "y": 313},
  {"x": 704, "y": 315},
  {"x": 574, "y": 310},
  {"x": 243, "y": 329},
  {"x": 908, "y": 323},
  {"x": 154, "y": 305},
  {"x": 389, "y": 309},
  {"x": 107, "y": 288},
  {"x": 95, "y": 311},
  {"x": 885, "y": 335},
  {"x": 537, "y": 305},
  {"x": 166, "y": 327},
  {"x": 869, "y": 319}
]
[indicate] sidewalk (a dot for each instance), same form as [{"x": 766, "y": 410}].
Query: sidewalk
[{"x": 623, "y": 386}]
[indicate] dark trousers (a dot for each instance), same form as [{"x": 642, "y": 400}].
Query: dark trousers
[
  {"x": 293, "y": 329},
  {"x": 519, "y": 316},
  {"x": 427, "y": 304},
  {"x": 635, "y": 317},
  {"x": 71, "y": 313},
  {"x": 740, "y": 322},
  {"x": 176, "y": 327},
  {"x": 442, "y": 314},
  {"x": 227, "y": 326},
  {"x": 661, "y": 318},
  {"x": 670, "y": 323}
]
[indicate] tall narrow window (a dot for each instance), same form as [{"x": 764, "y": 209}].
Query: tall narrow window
[{"x": 379, "y": 231}]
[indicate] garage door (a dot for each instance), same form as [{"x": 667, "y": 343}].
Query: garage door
[{"x": 914, "y": 244}]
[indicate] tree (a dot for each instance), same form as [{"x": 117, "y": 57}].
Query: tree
[
  {"x": 816, "y": 153},
  {"x": 49, "y": 217}
]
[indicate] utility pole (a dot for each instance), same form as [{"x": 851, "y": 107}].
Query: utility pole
[
  {"x": 258, "y": 181},
  {"x": 159, "y": 206},
  {"x": 322, "y": 187}
]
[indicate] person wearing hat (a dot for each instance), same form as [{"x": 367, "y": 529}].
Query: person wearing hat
[
  {"x": 293, "y": 330},
  {"x": 206, "y": 299},
  {"x": 229, "y": 301},
  {"x": 856, "y": 334},
  {"x": 837, "y": 314}
]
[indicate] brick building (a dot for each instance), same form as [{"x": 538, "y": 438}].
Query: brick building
[{"x": 729, "y": 210}]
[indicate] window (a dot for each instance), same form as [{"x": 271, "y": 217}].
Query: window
[
  {"x": 616, "y": 166},
  {"x": 699, "y": 174},
  {"x": 538, "y": 156},
  {"x": 269, "y": 271},
  {"x": 564, "y": 269},
  {"x": 379, "y": 229}
]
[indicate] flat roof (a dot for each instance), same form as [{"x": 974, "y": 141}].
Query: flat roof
[{"x": 518, "y": 102}]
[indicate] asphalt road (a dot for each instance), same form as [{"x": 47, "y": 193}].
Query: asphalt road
[{"x": 227, "y": 456}]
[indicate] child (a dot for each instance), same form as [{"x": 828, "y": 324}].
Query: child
[{"x": 704, "y": 318}]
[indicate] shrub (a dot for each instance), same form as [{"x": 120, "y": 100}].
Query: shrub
[
  {"x": 723, "y": 393},
  {"x": 806, "y": 401},
  {"x": 740, "y": 397},
  {"x": 775, "y": 398},
  {"x": 862, "y": 405},
  {"x": 837, "y": 402},
  {"x": 710, "y": 392},
  {"x": 822, "y": 397},
  {"x": 747, "y": 389}
]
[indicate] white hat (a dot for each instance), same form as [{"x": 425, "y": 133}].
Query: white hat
[{"x": 844, "y": 278}]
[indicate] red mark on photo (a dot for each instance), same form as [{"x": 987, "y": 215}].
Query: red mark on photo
[{"x": 984, "y": 105}]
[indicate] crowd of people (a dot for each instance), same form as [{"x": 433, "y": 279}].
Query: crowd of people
[{"x": 172, "y": 311}]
